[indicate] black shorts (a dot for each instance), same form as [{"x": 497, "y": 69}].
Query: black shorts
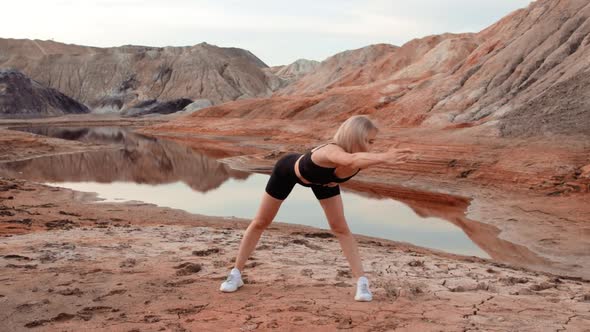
[{"x": 283, "y": 179}]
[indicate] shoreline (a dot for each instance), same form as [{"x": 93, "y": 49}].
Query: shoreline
[
  {"x": 508, "y": 199},
  {"x": 428, "y": 194}
]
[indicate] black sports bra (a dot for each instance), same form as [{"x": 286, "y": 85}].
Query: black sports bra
[{"x": 318, "y": 174}]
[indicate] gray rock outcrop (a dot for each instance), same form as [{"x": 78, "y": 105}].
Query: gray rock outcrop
[
  {"x": 156, "y": 107},
  {"x": 22, "y": 97}
]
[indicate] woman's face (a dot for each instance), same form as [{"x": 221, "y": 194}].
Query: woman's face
[{"x": 370, "y": 140}]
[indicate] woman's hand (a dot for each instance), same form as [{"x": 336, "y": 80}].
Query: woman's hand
[{"x": 399, "y": 156}]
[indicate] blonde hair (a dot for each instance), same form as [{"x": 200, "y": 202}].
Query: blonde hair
[{"x": 352, "y": 134}]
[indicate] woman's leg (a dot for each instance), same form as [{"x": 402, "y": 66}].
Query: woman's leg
[
  {"x": 334, "y": 210},
  {"x": 266, "y": 213},
  {"x": 279, "y": 186}
]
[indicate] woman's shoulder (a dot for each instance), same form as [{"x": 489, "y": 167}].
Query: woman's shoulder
[
  {"x": 333, "y": 147},
  {"x": 329, "y": 147},
  {"x": 323, "y": 154},
  {"x": 322, "y": 146}
]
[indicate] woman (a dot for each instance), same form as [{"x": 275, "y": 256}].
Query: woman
[{"x": 321, "y": 169}]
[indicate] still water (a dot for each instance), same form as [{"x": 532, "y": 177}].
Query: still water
[{"x": 165, "y": 173}]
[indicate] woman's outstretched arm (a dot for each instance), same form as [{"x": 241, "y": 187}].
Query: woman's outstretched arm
[{"x": 366, "y": 159}]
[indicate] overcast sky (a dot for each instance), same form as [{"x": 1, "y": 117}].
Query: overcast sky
[{"x": 278, "y": 32}]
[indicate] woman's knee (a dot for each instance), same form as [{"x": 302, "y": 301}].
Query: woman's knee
[
  {"x": 339, "y": 229},
  {"x": 261, "y": 223}
]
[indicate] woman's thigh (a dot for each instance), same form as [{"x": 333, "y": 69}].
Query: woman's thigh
[
  {"x": 334, "y": 210},
  {"x": 269, "y": 206}
]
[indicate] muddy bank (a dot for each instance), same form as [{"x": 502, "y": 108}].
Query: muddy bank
[{"x": 527, "y": 198}]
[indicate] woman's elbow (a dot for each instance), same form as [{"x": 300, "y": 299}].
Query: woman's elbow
[{"x": 351, "y": 162}]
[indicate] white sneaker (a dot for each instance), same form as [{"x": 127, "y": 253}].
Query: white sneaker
[
  {"x": 363, "y": 294},
  {"x": 233, "y": 281}
]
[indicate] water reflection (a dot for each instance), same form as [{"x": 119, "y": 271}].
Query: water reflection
[
  {"x": 105, "y": 135},
  {"x": 173, "y": 175},
  {"x": 135, "y": 158},
  {"x": 452, "y": 209}
]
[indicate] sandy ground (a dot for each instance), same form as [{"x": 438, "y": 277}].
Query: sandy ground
[{"x": 70, "y": 263}]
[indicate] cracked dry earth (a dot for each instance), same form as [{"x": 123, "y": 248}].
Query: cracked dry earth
[{"x": 120, "y": 276}]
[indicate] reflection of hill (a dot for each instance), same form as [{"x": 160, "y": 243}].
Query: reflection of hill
[
  {"x": 105, "y": 135},
  {"x": 452, "y": 208},
  {"x": 140, "y": 159}
]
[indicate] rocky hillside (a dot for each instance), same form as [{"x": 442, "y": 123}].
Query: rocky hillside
[
  {"x": 22, "y": 97},
  {"x": 524, "y": 75},
  {"x": 525, "y": 60},
  {"x": 108, "y": 79},
  {"x": 341, "y": 69},
  {"x": 291, "y": 73}
]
